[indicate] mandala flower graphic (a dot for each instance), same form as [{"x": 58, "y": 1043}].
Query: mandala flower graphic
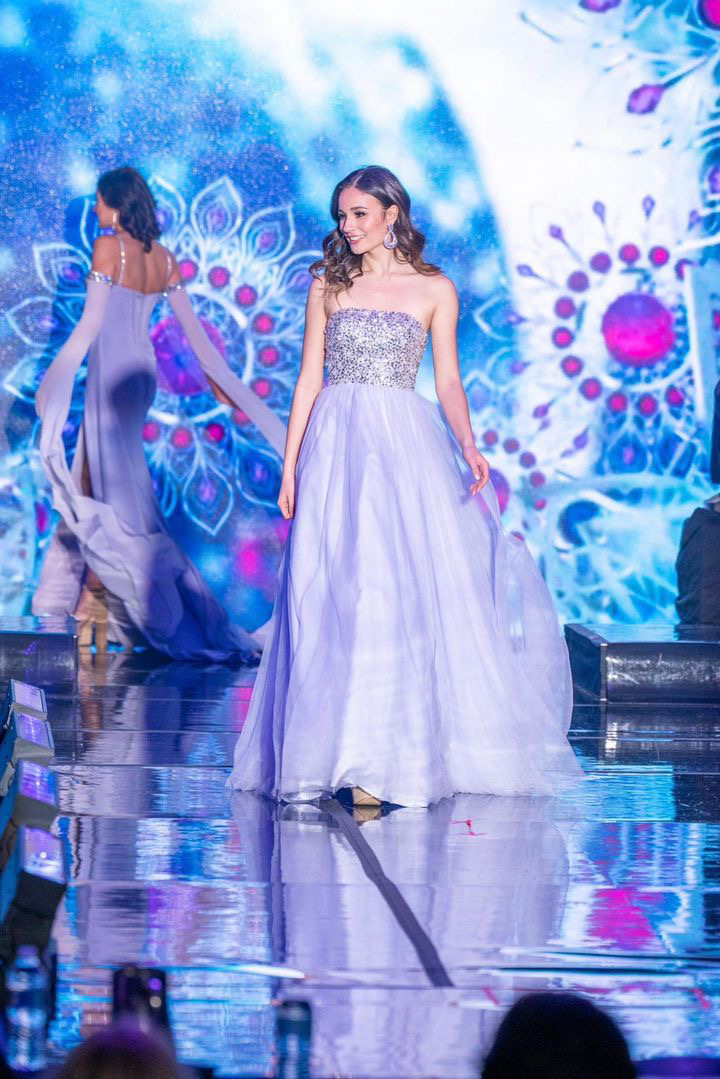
[
  {"x": 596, "y": 450},
  {"x": 248, "y": 285}
]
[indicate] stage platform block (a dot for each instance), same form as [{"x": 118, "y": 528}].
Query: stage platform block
[
  {"x": 645, "y": 663},
  {"x": 38, "y": 650}
]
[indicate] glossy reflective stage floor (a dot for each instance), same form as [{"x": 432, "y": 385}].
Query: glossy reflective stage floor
[{"x": 613, "y": 890}]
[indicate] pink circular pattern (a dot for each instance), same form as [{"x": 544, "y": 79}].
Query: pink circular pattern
[
  {"x": 511, "y": 445},
  {"x": 565, "y": 307},
  {"x": 629, "y": 253},
  {"x": 578, "y": 281},
  {"x": 245, "y": 295},
  {"x": 263, "y": 323},
  {"x": 638, "y": 329},
  {"x": 269, "y": 355},
  {"x": 178, "y": 370},
  {"x": 215, "y": 432},
  {"x": 572, "y": 366},
  {"x": 591, "y": 388},
  {"x": 181, "y": 438},
  {"x": 188, "y": 269},
  {"x": 262, "y": 387},
  {"x": 710, "y": 11},
  {"x": 151, "y": 431},
  {"x": 219, "y": 276},
  {"x": 527, "y": 459},
  {"x": 617, "y": 402},
  {"x": 538, "y": 479},
  {"x": 675, "y": 397},
  {"x": 490, "y": 438},
  {"x": 562, "y": 337},
  {"x": 659, "y": 256},
  {"x": 601, "y": 262},
  {"x": 647, "y": 405}
]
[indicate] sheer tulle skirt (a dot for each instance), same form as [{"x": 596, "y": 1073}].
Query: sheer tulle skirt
[{"x": 414, "y": 649}]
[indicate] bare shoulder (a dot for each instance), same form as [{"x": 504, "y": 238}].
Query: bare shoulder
[
  {"x": 316, "y": 295},
  {"x": 105, "y": 254},
  {"x": 442, "y": 289}
]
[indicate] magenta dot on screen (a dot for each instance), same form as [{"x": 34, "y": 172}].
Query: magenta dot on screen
[
  {"x": 710, "y": 11},
  {"x": 42, "y": 518},
  {"x": 219, "y": 276},
  {"x": 262, "y": 387},
  {"x": 572, "y": 365},
  {"x": 240, "y": 418},
  {"x": 215, "y": 432},
  {"x": 562, "y": 337},
  {"x": 263, "y": 323},
  {"x": 541, "y": 411},
  {"x": 565, "y": 307},
  {"x": 659, "y": 256},
  {"x": 601, "y": 262},
  {"x": 151, "y": 431},
  {"x": 638, "y": 329},
  {"x": 578, "y": 281},
  {"x": 249, "y": 561},
  {"x": 629, "y": 253},
  {"x": 540, "y": 503},
  {"x": 511, "y": 445},
  {"x": 490, "y": 438},
  {"x": 245, "y": 295},
  {"x": 502, "y": 488},
  {"x": 647, "y": 405},
  {"x": 617, "y": 402},
  {"x": 674, "y": 396},
  {"x": 591, "y": 388},
  {"x": 181, "y": 438},
  {"x": 599, "y": 6},
  {"x": 188, "y": 269},
  {"x": 537, "y": 479},
  {"x": 268, "y": 355},
  {"x": 527, "y": 459}
]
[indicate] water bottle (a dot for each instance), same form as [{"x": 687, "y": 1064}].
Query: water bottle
[{"x": 26, "y": 999}]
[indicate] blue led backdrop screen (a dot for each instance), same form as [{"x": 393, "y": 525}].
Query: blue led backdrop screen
[{"x": 562, "y": 159}]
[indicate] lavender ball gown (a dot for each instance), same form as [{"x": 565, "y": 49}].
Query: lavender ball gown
[
  {"x": 414, "y": 649},
  {"x": 154, "y": 591}
]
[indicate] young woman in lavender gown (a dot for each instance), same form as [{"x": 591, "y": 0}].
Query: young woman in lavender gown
[
  {"x": 111, "y": 561},
  {"x": 414, "y": 649}
]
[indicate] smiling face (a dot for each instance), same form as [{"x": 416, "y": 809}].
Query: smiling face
[{"x": 363, "y": 220}]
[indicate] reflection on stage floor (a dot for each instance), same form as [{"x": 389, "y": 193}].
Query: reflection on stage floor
[{"x": 612, "y": 889}]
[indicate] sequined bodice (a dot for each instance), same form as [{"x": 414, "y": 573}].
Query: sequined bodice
[{"x": 380, "y": 348}]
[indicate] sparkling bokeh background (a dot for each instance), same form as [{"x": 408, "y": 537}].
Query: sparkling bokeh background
[{"x": 562, "y": 160}]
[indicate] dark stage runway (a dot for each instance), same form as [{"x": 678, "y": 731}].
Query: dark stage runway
[{"x": 612, "y": 890}]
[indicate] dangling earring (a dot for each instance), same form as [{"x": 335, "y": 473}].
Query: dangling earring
[{"x": 390, "y": 239}]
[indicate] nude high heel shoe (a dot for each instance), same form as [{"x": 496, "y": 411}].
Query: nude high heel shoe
[
  {"x": 361, "y": 797},
  {"x": 92, "y": 616}
]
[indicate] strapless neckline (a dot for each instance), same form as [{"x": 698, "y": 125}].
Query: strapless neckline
[{"x": 379, "y": 311}]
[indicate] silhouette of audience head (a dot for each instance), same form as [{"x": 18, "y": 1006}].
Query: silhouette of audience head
[
  {"x": 123, "y": 1051},
  {"x": 558, "y": 1036}
]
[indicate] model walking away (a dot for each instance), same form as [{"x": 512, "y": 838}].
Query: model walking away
[{"x": 111, "y": 561}]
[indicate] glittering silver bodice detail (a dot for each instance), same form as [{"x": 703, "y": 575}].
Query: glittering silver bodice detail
[{"x": 379, "y": 348}]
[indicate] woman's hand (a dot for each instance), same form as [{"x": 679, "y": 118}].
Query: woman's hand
[
  {"x": 219, "y": 395},
  {"x": 286, "y": 498},
  {"x": 479, "y": 466}
]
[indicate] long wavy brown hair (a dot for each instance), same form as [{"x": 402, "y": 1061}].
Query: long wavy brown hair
[{"x": 339, "y": 266}]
